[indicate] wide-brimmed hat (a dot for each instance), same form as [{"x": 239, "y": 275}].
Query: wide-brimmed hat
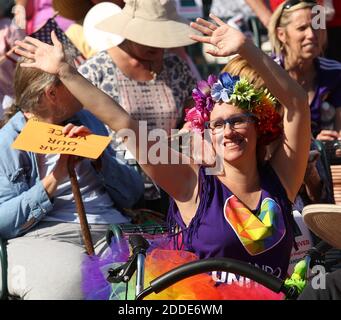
[
  {"x": 72, "y": 9},
  {"x": 100, "y": 40},
  {"x": 153, "y": 23},
  {"x": 325, "y": 221}
]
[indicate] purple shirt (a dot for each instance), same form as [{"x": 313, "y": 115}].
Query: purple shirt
[
  {"x": 216, "y": 232},
  {"x": 327, "y": 94}
]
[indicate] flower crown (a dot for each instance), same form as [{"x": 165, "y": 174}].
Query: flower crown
[{"x": 239, "y": 92}]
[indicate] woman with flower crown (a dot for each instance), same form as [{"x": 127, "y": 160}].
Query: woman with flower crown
[{"x": 244, "y": 211}]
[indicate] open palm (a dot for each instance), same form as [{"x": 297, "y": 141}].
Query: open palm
[
  {"x": 225, "y": 39},
  {"x": 45, "y": 57}
]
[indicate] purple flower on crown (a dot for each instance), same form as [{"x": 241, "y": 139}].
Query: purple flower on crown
[
  {"x": 223, "y": 89},
  {"x": 202, "y": 94}
]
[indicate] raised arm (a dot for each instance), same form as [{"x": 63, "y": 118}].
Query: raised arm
[
  {"x": 51, "y": 59},
  {"x": 290, "y": 159},
  {"x": 261, "y": 10}
]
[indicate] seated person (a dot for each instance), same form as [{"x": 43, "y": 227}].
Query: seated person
[
  {"x": 316, "y": 187},
  {"x": 38, "y": 214}
]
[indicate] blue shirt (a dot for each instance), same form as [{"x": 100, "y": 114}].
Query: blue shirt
[{"x": 23, "y": 199}]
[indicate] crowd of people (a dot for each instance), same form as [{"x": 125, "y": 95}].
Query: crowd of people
[{"x": 260, "y": 120}]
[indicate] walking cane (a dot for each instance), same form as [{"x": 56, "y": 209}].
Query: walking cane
[{"x": 80, "y": 207}]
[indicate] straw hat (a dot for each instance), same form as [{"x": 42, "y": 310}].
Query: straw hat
[
  {"x": 153, "y": 23},
  {"x": 72, "y": 9},
  {"x": 325, "y": 221},
  {"x": 100, "y": 40}
]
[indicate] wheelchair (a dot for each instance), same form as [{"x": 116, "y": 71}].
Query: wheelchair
[{"x": 137, "y": 237}]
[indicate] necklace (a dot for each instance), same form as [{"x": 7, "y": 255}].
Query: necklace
[
  {"x": 154, "y": 75},
  {"x": 152, "y": 72}
]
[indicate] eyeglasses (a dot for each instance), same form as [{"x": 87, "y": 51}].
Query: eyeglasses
[
  {"x": 290, "y": 3},
  {"x": 235, "y": 123}
]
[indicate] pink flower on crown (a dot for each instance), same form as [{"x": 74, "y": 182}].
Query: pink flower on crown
[
  {"x": 197, "y": 118},
  {"x": 202, "y": 94}
]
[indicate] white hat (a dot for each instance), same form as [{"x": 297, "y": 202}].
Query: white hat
[
  {"x": 153, "y": 23},
  {"x": 98, "y": 39}
]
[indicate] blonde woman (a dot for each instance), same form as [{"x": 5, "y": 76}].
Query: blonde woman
[{"x": 298, "y": 44}]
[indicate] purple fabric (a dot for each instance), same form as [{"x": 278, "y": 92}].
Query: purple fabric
[
  {"x": 210, "y": 235},
  {"x": 328, "y": 88},
  {"x": 95, "y": 268},
  {"x": 44, "y": 11},
  {"x": 95, "y": 271}
]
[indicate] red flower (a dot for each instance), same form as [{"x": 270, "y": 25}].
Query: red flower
[
  {"x": 197, "y": 118},
  {"x": 269, "y": 125}
]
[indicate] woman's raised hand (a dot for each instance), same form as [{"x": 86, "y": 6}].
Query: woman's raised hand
[
  {"x": 44, "y": 57},
  {"x": 224, "y": 38}
]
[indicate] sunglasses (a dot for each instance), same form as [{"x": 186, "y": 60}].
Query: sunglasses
[{"x": 290, "y": 3}]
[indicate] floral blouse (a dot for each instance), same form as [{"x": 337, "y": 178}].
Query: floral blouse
[{"x": 160, "y": 101}]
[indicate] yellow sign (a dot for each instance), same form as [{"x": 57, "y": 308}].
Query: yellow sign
[{"x": 40, "y": 137}]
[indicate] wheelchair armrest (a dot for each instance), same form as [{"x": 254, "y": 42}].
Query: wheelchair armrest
[{"x": 3, "y": 269}]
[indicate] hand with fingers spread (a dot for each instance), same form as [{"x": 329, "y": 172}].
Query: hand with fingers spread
[
  {"x": 224, "y": 38},
  {"x": 44, "y": 57}
]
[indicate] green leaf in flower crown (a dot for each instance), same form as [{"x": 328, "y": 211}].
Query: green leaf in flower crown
[{"x": 243, "y": 94}]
